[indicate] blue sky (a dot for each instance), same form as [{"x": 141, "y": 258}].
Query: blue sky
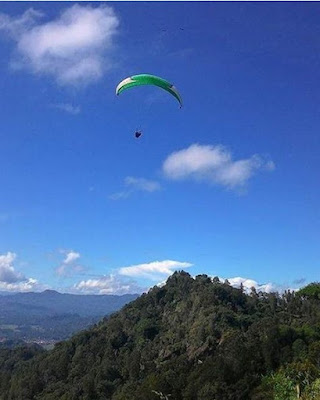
[{"x": 227, "y": 186}]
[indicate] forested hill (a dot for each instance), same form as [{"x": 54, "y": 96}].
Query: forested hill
[{"x": 190, "y": 339}]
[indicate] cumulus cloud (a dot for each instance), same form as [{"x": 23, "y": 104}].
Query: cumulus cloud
[
  {"x": 8, "y": 274},
  {"x": 133, "y": 184},
  {"x": 248, "y": 283},
  {"x": 154, "y": 269},
  {"x": 107, "y": 284},
  {"x": 12, "y": 280},
  {"x": 29, "y": 285},
  {"x": 213, "y": 164},
  {"x": 74, "y": 49},
  {"x": 69, "y": 265}
]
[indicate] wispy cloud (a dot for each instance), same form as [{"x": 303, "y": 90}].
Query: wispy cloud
[
  {"x": 213, "y": 164},
  {"x": 154, "y": 270},
  {"x": 75, "y": 48},
  {"x": 108, "y": 284},
  {"x": 18, "y": 26},
  {"x": 133, "y": 184},
  {"x": 69, "y": 265},
  {"x": 120, "y": 195},
  {"x": 12, "y": 280},
  {"x": 68, "y": 108},
  {"x": 142, "y": 184}
]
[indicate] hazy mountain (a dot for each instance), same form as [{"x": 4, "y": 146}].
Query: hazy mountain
[
  {"x": 51, "y": 302},
  {"x": 53, "y": 316},
  {"x": 3, "y": 293}
]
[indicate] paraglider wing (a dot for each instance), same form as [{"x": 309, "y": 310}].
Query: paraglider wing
[{"x": 146, "y": 79}]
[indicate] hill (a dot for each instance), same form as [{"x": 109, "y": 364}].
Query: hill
[{"x": 190, "y": 339}]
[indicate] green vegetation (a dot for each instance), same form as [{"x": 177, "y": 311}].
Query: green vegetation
[{"x": 190, "y": 339}]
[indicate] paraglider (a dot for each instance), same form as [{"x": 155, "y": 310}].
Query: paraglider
[
  {"x": 147, "y": 79},
  {"x": 137, "y": 134}
]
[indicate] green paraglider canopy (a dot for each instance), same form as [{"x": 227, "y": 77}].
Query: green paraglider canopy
[{"x": 146, "y": 79}]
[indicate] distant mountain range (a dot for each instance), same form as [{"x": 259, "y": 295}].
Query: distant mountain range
[
  {"x": 7, "y": 293},
  {"x": 51, "y": 315},
  {"x": 50, "y": 303}
]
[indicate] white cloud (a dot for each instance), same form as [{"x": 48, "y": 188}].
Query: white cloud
[
  {"x": 249, "y": 283},
  {"x": 155, "y": 269},
  {"x": 213, "y": 164},
  {"x": 69, "y": 266},
  {"x": 16, "y": 27},
  {"x": 263, "y": 287},
  {"x": 29, "y": 285},
  {"x": 71, "y": 256},
  {"x": 68, "y": 108},
  {"x": 8, "y": 275},
  {"x": 11, "y": 280},
  {"x": 136, "y": 185},
  {"x": 110, "y": 284},
  {"x": 74, "y": 49}
]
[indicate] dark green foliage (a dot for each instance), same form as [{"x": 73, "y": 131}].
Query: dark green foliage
[
  {"x": 311, "y": 291},
  {"x": 191, "y": 339}
]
